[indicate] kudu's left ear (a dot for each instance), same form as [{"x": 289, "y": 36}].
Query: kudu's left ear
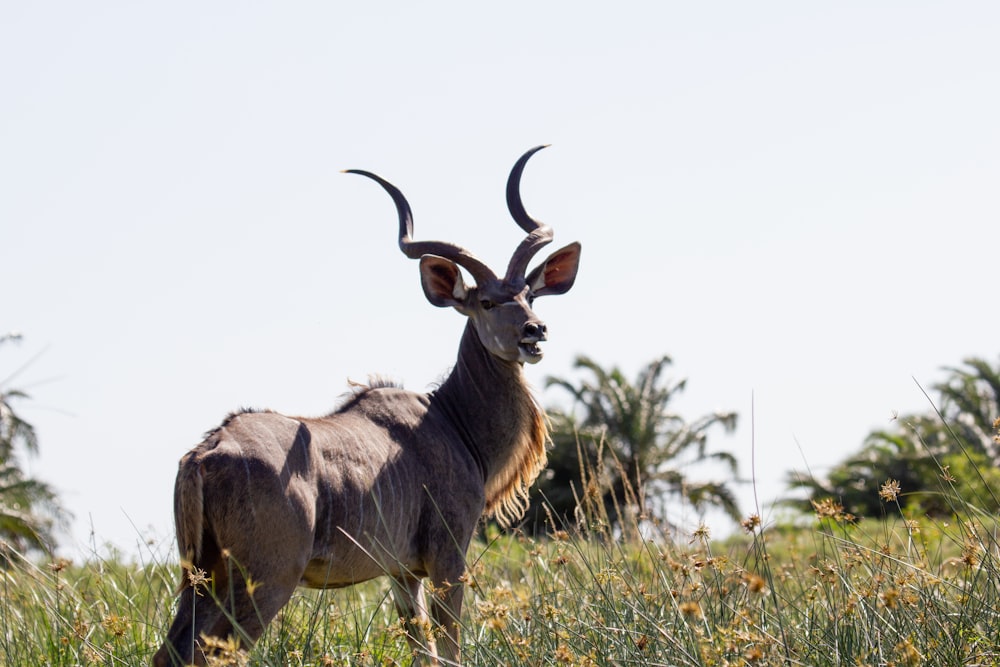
[
  {"x": 557, "y": 273},
  {"x": 442, "y": 281}
]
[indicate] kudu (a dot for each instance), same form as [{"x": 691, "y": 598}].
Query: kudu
[{"x": 391, "y": 483}]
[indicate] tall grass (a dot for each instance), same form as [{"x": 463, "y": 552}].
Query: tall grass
[{"x": 899, "y": 591}]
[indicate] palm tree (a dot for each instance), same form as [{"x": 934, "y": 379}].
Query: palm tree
[
  {"x": 937, "y": 458},
  {"x": 622, "y": 448},
  {"x": 28, "y": 507},
  {"x": 970, "y": 403},
  {"x": 886, "y": 455}
]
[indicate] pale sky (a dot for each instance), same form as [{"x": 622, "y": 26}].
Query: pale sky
[{"x": 796, "y": 201}]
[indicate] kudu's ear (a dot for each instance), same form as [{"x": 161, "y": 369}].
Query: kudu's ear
[
  {"x": 557, "y": 273},
  {"x": 442, "y": 282}
]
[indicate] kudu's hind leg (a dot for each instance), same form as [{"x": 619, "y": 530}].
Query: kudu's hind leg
[
  {"x": 194, "y": 614},
  {"x": 248, "y": 607},
  {"x": 253, "y": 593},
  {"x": 251, "y": 584},
  {"x": 231, "y": 606},
  {"x": 408, "y": 593}
]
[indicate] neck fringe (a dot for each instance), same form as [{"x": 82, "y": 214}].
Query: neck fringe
[{"x": 507, "y": 490}]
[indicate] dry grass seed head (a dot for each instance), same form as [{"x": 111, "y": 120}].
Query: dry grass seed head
[
  {"x": 252, "y": 586},
  {"x": 197, "y": 578},
  {"x": 890, "y": 597},
  {"x": 91, "y": 656},
  {"x": 690, "y": 608},
  {"x": 890, "y": 491},
  {"x": 224, "y": 652},
  {"x": 907, "y": 654},
  {"x": 751, "y": 523},
  {"x": 756, "y": 584},
  {"x": 116, "y": 625},
  {"x": 59, "y": 564},
  {"x": 970, "y": 554},
  {"x": 494, "y": 615},
  {"x": 701, "y": 534},
  {"x": 828, "y": 508}
]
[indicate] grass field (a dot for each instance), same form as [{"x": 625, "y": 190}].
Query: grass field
[{"x": 891, "y": 592}]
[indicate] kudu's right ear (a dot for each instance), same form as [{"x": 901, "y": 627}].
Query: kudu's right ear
[
  {"x": 557, "y": 273},
  {"x": 442, "y": 282}
]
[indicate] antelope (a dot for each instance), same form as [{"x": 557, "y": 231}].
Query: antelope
[{"x": 392, "y": 483}]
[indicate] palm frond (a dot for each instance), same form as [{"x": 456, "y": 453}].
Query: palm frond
[{"x": 631, "y": 438}]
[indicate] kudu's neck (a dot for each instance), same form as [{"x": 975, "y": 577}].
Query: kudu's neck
[{"x": 488, "y": 401}]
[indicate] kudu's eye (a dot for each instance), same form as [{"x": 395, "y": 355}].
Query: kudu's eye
[{"x": 487, "y": 304}]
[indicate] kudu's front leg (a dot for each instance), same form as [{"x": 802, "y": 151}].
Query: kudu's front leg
[
  {"x": 446, "y": 612},
  {"x": 408, "y": 593}
]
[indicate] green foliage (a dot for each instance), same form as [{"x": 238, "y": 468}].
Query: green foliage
[
  {"x": 970, "y": 404},
  {"x": 939, "y": 460},
  {"x": 894, "y": 591},
  {"x": 28, "y": 508},
  {"x": 622, "y": 447}
]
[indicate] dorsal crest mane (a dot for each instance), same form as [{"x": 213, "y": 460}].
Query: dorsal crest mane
[{"x": 231, "y": 416}]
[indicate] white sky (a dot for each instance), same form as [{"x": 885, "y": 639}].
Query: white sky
[{"x": 797, "y": 202}]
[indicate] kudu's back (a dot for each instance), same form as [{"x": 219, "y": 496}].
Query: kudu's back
[
  {"x": 392, "y": 483},
  {"x": 346, "y": 486}
]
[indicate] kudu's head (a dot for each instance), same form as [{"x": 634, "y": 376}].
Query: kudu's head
[{"x": 500, "y": 308}]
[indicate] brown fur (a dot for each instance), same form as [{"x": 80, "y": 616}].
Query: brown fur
[
  {"x": 391, "y": 483},
  {"x": 189, "y": 514},
  {"x": 507, "y": 491}
]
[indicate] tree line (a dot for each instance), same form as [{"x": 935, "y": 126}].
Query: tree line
[
  {"x": 29, "y": 508},
  {"x": 622, "y": 454}
]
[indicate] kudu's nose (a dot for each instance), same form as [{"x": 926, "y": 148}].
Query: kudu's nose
[{"x": 536, "y": 330}]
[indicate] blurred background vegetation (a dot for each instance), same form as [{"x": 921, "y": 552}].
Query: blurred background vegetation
[
  {"x": 621, "y": 452},
  {"x": 29, "y": 509},
  {"x": 920, "y": 581},
  {"x": 622, "y": 447},
  {"x": 934, "y": 456}
]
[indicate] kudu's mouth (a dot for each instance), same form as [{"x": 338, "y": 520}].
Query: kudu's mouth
[
  {"x": 530, "y": 351},
  {"x": 533, "y": 333}
]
